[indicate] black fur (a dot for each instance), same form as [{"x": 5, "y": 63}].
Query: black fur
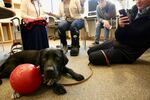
[{"x": 52, "y": 64}]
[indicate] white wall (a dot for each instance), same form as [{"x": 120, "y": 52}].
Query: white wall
[
  {"x": 128, "y": 4},
  {"x": 50, "y": 5},
  {"x": 1, "y": 3},
  {"x": 120, "y": 4}
]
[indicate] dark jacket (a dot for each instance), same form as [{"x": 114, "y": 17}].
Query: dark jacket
[
  {"x": 134, "y": 39},
  {"x": 137, "y": 33}
]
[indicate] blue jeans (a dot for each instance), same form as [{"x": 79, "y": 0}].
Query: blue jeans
[
  {"x": 98, "y": 32},
  {"x": 74, "y": 27}
]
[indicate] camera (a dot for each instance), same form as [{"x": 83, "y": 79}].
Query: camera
[{"x": 123, "y": 12}]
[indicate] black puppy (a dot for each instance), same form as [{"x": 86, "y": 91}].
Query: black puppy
[{"x": 52, "y": 64}]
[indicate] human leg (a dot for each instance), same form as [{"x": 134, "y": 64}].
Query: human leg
[
  {"x": 98, "y": 32},
  {"x": 76, "y": 25},
  {"x": 105, "y": 45},
  {"x": 112, "y": 53},
  {"x": 62, "y": 28},
  {"x": 106, "y": 34},
  {"x": 107, "y": 57}
]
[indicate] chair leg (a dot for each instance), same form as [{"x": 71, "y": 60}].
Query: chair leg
[
  {"x": 3, "y": 46},
  {"x": 84, "y": 38}
]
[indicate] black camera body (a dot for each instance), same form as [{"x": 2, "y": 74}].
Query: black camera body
[{"x": 123, "y": 12}]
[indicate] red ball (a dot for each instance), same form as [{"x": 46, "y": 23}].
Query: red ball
[{"x": 25, "y": 78}]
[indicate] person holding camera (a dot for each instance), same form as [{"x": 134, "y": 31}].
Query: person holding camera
[
  {"x": 106, "y": 12},
  {"x": 132, "y": 38}
]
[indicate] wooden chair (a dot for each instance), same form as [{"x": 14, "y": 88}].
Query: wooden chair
[{"x": 52, "y": 27}]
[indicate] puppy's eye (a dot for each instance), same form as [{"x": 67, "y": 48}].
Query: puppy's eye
[{"x": 57, "y": 58}]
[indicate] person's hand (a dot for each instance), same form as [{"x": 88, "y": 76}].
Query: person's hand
[
  {"x": 123, "y": 21},
  {"x": 97, "y": 22},
  {"x": 82, "y": 2},
  {"x": 106, "y": 24},
  {"x": 52, "y": 14},
  {"x": 49, "y": 13}
]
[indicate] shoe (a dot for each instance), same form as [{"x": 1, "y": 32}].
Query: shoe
[
  {"x": 93, "y": 44},
  {"x": 65, "y": 49},
  {"x": 74, "y": 51}
]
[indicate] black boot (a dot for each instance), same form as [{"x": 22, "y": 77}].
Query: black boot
[
  {"x": 75, "y": 46},
  {"x": 74, "y": 51},
  {"x": 75, "y": 42}
]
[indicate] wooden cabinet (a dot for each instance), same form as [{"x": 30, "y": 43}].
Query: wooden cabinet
[
  {"x": 5, "y": 32},
  {"x": 16, "y": 4}
]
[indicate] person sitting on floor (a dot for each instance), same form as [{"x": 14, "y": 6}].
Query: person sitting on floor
[{"x": 132, "y": 38}]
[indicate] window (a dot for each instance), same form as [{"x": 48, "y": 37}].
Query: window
[
  {"x": 50, "y": 5},
  {"x": 91, "y": 5}
]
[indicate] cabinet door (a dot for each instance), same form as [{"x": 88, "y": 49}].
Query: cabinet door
[{"x": 6, "y": 32}]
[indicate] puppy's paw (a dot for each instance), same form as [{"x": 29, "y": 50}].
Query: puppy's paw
[
  {"x": 79, "y": 77},
  {"x": 15, "y": 95},
  {"x": 59, "y": 89}
]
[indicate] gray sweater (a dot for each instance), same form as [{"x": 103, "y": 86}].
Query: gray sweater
[{"x": 106, "y": 13}]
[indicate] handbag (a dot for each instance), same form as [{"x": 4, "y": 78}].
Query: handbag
[{"x": 33, "y": 23}]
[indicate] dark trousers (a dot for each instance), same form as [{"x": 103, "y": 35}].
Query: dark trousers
[
  {"x": 115, "y": 53},
  {"x": 34, "y": 39},
  {"x": 74, "y": 27}
]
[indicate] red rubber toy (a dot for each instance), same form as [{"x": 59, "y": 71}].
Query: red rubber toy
[{"x": 25, "y": 78}]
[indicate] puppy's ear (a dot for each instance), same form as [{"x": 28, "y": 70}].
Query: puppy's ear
[{"x": 64, "y": 57}]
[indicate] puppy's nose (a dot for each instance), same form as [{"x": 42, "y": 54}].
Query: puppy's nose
[{"x": 51, "y": 72}]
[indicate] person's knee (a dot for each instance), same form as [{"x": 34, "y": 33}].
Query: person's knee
[
  {"x": 74, "y": 29},
  {"x": 97, "y": 58},
  {"x": 91, "y": 59},
  {"x": 60, "y": 27},
  {"x": 88, "y": 51}
]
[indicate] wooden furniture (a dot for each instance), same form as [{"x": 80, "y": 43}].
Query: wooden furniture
[
  {"x": 52, "y": 27},
  {"x": 16, "y": 4},
  {"x": 5, "y": 31}
]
